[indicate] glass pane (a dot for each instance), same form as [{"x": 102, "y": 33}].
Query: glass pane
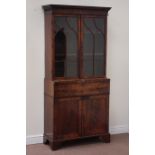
[
  {"x": 93, "y": 47},
  {"x": 88, "y": 45},
  {"x": 66, "y": 47},
  {"x": 99, "y": 47}
]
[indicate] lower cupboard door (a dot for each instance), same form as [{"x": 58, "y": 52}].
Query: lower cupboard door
[
  {"x": 95, "y": 115},
  {"x": 67, "y": 124}
]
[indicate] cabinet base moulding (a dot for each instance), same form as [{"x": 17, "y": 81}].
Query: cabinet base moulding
[
  {"x": 58, "y": 144},
  {"x": 37, "y": 139}
]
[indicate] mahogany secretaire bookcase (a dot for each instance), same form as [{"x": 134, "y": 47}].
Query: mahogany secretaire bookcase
[{"x": 76, "y": 89}]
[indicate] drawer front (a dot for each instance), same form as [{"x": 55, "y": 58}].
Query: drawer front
[
  {"x": 95, "y": 87},
  {"x": 67, "y": 89},
  {"x": 81, "y": 88}
]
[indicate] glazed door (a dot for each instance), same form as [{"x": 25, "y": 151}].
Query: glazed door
[
  {"x": 94, "y": 46},
  {"x": 66, "y": 47},
  {"x": 95, "y": 115},
  {"x": 67, "y": 121},
  {"x": 80, "y": 45}
]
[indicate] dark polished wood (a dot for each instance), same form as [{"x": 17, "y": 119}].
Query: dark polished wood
[
  {"x": 94, "y": 115},
  {"x": 105, "y": 138},
  {"x": 74, "y": 107},
  {"x": 66, "y": 118},
  {"x": 70, "y": 9},
  {"x": 55, "y": 145},
  {"x": 81, "y": 87}
]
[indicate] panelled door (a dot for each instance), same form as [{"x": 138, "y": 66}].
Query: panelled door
[
  {"x": 80, "y": 116},
  {"x": 94, "y": 119},
  {"x": 67, "y": 120}
]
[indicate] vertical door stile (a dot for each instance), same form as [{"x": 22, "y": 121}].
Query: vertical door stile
[
  {"x": 81, "y": 46},
  {"x": 81, "y": 70},
  {"x": 105, "y": 45},
  {"x": 107, "y": 113},
  {"x": 53, "y": 46},
  {"x": 80, "y": 118}
]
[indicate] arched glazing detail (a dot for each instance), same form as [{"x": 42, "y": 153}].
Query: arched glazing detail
[
  {"x": 69, "y": 50},
  {"x": 93, "y": 46},
  {"x": 60, "y": 53}
]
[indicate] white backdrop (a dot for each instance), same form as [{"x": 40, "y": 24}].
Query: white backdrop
[{"x": 117, "y": 64}]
